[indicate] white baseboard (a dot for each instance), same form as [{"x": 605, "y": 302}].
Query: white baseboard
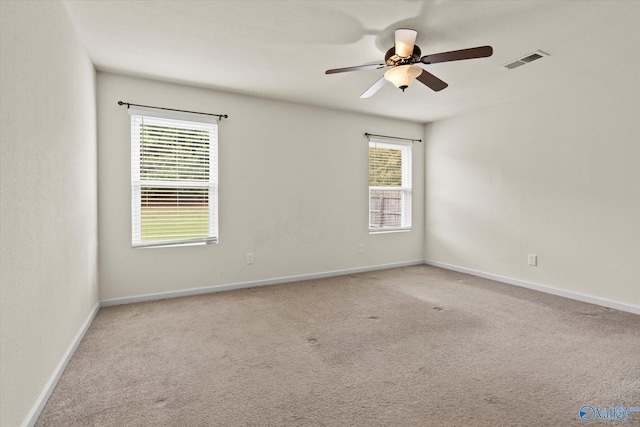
[
  {"x": 39, "y": 404},
  {"x": 253, "y": 284},
  {"x": 537, "y": 287}
]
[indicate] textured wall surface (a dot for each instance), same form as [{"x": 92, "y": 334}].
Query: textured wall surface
[
  {"x": 555, "y": 175},
  {"x": 48, "y": 209},
  {"x": 293, "y": 191}
]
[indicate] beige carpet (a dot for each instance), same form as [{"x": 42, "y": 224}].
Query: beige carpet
[{"x": 415, "y": 346}]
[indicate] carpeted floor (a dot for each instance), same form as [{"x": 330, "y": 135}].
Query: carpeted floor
[{"x": 414, "y": 346}]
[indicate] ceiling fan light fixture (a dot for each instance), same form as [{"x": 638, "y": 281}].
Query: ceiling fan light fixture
[
  {"x": 404, "y": 54},
  {"x": 403, "y": 75},
  {"x": 405, "y": 40}
]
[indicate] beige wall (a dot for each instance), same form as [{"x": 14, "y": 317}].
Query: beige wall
[
  {"x": 293, "y": 191},
  {"x": 556, "y": 175},
  {"x": 48, "y": 207}
]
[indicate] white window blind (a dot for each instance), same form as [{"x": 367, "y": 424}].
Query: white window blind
[
  {"x": 174, "y": 178},
  {"x": 389, "y": 185}
]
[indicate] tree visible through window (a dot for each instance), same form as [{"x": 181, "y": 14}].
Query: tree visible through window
[
  {"x": 174, "y": 188},
  {"x": 389, "y": 186}
]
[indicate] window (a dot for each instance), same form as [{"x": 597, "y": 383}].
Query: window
[
  {"x": 174, "y": 178},
  {"x": 389, "y": 185}
]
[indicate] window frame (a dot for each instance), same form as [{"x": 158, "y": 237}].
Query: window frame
[
  {"x": 406, "y": 187},
  {"x": 186, "y": 121}
]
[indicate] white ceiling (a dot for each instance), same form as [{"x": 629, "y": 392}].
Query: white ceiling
[{"x": 280, "y": 49}]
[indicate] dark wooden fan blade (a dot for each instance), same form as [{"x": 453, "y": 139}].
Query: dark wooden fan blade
[
  {"x": 432, "y": 81},
  {"x": 357, "y": 68},
  {"x": 373, "y": 88},
  {"x": 457, "y": 55}
]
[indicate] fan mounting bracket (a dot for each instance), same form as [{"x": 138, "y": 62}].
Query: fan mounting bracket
[{"x": 393, "y": 60}]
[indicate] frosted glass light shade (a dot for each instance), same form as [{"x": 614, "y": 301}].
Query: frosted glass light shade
[
  {"x": 405, "y": 40},
  {"x": 403, "y": 75}
]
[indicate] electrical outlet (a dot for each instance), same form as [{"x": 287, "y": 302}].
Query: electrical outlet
[
  {"x": 249, "y": 258},
  {"x": 361, "y": 248},
  {"x": 533, "y": 260}
]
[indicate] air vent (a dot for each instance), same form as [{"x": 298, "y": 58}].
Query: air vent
[{"x": 525, "y": 60}]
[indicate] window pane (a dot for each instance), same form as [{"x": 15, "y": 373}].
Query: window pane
[
  {"x": 169, "y": 153},
  {"x": 385, "y": 167},
  {"x": 169, "y": 214},
  {"x": 386, "y": 208}
]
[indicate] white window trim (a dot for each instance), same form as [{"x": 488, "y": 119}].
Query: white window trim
[
  {"x": 212, "y": 184},
  {"x": 407, "y": 178}
]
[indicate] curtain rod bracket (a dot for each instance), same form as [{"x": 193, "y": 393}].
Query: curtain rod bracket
[
  {"x": 392, "y": 137},
  {"x": 220, "y": 116}
]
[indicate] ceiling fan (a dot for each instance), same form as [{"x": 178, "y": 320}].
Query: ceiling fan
[{"x": 402, "y": 58}]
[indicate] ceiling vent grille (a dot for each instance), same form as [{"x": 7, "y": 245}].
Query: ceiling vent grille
[{"x": 525, "y": 60}]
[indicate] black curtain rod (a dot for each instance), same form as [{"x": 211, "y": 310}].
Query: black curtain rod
[
  {"x": 392, "y": 137},
  {"x": 220, "y": 116}
]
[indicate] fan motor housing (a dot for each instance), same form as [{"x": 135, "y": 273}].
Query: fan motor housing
[{"x": 392, "y": 59}]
